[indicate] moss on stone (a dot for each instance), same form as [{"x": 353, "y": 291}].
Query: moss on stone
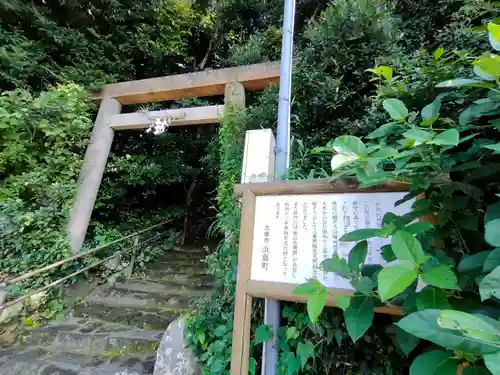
[{"x": 133, "y": 349}]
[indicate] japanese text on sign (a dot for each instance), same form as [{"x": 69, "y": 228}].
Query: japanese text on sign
[{"x": 290, "y": 243}]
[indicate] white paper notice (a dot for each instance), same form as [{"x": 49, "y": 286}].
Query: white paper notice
[{"x": 293, "y": 234}]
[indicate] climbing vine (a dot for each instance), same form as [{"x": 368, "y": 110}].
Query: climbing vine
[{"x": 209, "y": 331}]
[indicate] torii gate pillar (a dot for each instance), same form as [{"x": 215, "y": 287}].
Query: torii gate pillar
[{"x": 91, "y": 174}]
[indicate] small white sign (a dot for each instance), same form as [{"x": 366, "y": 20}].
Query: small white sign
[{"x": 293, "y": 234}]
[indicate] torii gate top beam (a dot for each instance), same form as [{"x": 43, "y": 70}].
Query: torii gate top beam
[{"x": 198, "y": 84}]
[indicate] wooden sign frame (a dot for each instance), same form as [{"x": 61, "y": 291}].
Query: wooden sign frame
[{"x": 246, "y": 288}]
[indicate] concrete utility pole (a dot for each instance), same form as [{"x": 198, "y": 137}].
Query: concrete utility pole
[{"x": 272, "y": 311}]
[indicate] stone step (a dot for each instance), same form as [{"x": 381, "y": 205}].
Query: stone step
[
  {"x": 71, "y": 361},
  {"x": 7, "y": 353},
  {"x": 176, "y": 262},
  {"x": 95, "y": 338},
  {"x": 161, "y": 270},
  {"x": 151, "y": 287},
  {"x": 186, "y": 280},
  {"x": 191, "y": 249},
  {"x": 39, "y": 361},
  {"x": 115, "y": 330},
  {"x": 179, "y": 260},
  {"x": 104, "y": 295},
  {"x": 172, "y": 255},
  {"x": 19, "y": 365},
  {"x": 122, "y": 359},
  {"x": 133, "y": 317}
]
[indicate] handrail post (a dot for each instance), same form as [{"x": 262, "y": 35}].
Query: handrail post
[
  {"x": 130, "y": 269},
  {"x": 3, "y": 294},
  {"x": 115, "y": 261}
]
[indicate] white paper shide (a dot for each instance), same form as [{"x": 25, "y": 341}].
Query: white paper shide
[{"x": 293, "y": 234}]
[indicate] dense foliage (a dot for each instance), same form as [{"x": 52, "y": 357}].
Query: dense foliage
[
  {"x": 329, "y": 87},
  {"x": 148, "y": 178},
  {"x": 444, "y": 272},
  {"x": 43, "y": 140}
]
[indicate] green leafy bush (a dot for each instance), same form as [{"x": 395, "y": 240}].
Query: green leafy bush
[
  {"x": 448, "y": 152},
  {"x": 329, "y": 88},
  {"x": 43, "y": 139},
  {"x": 170, "y": 35},
  {"x": 330, "y": 65},
  {"x": 261, "y": 46},
  {"x": 92, "y": 42}
]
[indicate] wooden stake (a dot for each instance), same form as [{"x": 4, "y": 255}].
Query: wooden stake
[{"x": 243, "y": 302}]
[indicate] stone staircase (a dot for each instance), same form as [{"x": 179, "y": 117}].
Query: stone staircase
[{"x": 115, "y": 330}]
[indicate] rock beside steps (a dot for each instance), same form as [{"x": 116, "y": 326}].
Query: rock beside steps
[{"x": 115, "y": 330}]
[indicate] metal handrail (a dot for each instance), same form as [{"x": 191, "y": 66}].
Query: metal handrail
[
  {"x": 30, "y": 274},
  {"x": 54, "y": 283},
  {"x": 64, "y": 261}
]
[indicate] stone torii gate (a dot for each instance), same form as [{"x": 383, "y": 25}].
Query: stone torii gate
[{"x": 230, "y": 82}]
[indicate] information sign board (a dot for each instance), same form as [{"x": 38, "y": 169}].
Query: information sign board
[
  {"x": 293, "y": 234},
  {"x": 287, "y": 229}
]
